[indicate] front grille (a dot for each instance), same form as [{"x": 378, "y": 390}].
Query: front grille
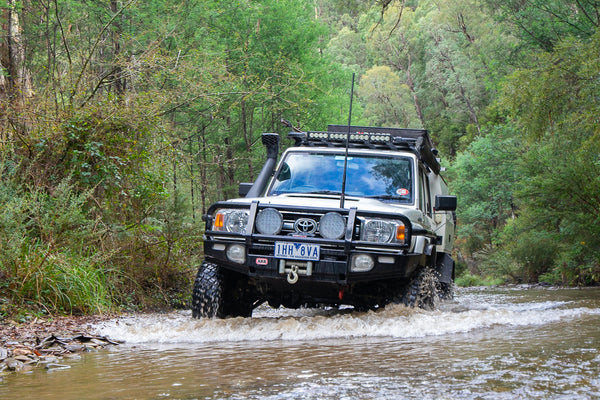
[
  {"x": 293, "y": 224},
  {"x": 292, "y": 227}
]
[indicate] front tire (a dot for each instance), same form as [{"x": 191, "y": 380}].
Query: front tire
[
  {"x": 219, "y": 293},
  {"x": 446, "y": 290},
  {"x": 207, "y": 296},
  {"x": 422, "y": 289}
]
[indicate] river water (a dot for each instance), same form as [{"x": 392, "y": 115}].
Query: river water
[{"x": 486, "y": 344}]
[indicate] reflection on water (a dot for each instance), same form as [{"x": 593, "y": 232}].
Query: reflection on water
[{"x": 496, "y": 344}]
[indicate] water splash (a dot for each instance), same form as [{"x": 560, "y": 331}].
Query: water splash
[{"x": 395, "y": 321}]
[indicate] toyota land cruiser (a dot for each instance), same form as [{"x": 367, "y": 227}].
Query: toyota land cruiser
[{"x": 354, "y": 216}]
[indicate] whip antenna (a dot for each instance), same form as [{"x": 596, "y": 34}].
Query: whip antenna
[{"x": 343, "y": 196}]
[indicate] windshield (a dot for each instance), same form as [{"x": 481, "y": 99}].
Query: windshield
[{"x": 382, "y": 177}]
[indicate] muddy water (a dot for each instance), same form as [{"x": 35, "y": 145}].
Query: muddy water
[{"x": 487, "y": 344}]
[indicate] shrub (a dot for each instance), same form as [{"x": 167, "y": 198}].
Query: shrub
[{"x": 87, "y": 223}]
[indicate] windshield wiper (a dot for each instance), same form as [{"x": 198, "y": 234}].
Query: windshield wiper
[
  {"x": 324, "y": 192},
  {"x": 387, "y": 197}
]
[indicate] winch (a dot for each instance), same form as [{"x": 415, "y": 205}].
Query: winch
[{"x": 293, "y": 269}]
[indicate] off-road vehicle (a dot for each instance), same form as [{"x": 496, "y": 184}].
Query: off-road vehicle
[{"x": 350, "y": 216}]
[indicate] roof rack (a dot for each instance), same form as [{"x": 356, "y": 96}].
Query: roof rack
[{"x": 415, "y": 140}]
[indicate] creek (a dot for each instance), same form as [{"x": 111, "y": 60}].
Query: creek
[{"x": 498, "y": 343}]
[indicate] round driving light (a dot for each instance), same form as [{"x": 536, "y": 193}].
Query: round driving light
[
  {"x": 237, "y": 221},
  {"x": 269, "y": 221},
  {"x": 332, "y": 226},
  {"x": 236, "y": 253},
  {"x": 378, "y": 231},
  {"x": 362, "y": 263}
]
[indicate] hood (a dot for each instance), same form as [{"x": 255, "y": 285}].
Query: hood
[{"x": 333, "y": 201}]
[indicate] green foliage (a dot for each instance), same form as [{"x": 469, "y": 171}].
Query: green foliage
[
  {"x": 469, "y": 280},
  {"x": 484, "y": 178},
  {"x": 61, "y": 282},
  {"x": 144, "y": 113},
  {"x": 88, "y": 223},
  {"x": 45, "y": 258},
  {"x": 497, "y": 264},
  {"x": 544, "y": 23},
  {"x": 531, "y": 246},
  {"x": 562, "y": 195},
  {"x": 557, "y": 195},
  {"x": 577, "y": 265},
  {"x": 388, "y": 101},
  {"x": 446, "y": 58}
]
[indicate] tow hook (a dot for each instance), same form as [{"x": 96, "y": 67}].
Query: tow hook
[{"x": 293, "y": 275}]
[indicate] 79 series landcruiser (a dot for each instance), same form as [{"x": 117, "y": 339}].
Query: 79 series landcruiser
[{"x": 350, "y": 216}]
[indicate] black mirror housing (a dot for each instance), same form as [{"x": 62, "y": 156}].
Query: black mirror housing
[
  {"x": 244, "y": 189},
  {"x": 445, "y": 203}
]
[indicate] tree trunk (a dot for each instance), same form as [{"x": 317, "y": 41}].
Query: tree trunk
[
  {"x": 118, "y": 81},
  {"x": 15, "y": 81},
  {"x": 411, "y": 86},
  {"x": 247, "y": 131},
  {"x": 203, "y": 168},
  {"x": 445, "y": 59},
  {"x": 230, "y": 167}
]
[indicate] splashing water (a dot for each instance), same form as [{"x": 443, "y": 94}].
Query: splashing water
[{"x": 465, "y": 314}]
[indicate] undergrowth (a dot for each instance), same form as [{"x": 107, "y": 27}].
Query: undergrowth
[{"x": 87, "y": 224}]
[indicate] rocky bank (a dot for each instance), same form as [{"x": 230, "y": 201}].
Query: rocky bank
[{"x": 47, "y": 342}]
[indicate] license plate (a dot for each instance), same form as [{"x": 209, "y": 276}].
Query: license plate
[{"x": 297, "y": 251}]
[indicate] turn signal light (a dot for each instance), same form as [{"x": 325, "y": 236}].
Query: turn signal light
[
  {"x": 400, "y": 233},
  {"x": 219, "y": 222}
]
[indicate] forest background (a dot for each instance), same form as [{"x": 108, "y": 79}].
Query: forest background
[{"x": 121, "y": 121}]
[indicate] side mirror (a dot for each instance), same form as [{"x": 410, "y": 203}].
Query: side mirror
[
  {"x": 244, "y": 189},
  {"x": 445, "y": 203}
]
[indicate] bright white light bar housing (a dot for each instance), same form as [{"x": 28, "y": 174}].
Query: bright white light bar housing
[{"x": 354, "y": 137}]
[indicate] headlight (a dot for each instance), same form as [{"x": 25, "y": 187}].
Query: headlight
[
  {"x": 231, "y": 220},
  {"x": 269, "y": 221},
  {"x": 332, "y": 226},
  {"x": 383, "y": 231}
]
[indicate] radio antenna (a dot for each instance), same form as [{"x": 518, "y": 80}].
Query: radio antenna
[{"x": 343, "y": 196}]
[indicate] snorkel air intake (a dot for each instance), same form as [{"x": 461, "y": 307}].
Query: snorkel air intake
[{"x": 271, "y": 142}]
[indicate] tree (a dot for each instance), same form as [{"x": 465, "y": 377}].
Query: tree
[
  {"x": 544, "y": 23},
  {"x": 555, "y": 105},
  {"x": 15, "y": 81},
  {"x": 388, "y": 101},
  {"x": 445, "y": 54},
  {"x": 485, "y": 180}
]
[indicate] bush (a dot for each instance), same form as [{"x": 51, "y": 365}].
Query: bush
[
  {"x": 87, "y": 224},
  {"x": 577, "y": 265},
  {"x": 468, "y": 280},
  {"x": 48, "y": 253}
]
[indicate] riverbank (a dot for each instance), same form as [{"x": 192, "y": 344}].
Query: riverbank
[{"x": 47, "y": 342}]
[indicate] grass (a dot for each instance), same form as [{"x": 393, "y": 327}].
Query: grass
[{"x": 468, "y": 279}]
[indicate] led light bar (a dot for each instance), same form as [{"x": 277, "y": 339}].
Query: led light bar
[
  {"x": 415, "y": 140},
  {"x": 355, "y": 137}
]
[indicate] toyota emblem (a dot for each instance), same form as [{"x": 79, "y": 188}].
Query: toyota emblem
[{"x": 305, "y": 226}]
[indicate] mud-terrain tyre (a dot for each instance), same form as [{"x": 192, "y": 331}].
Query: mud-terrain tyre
[
  {"x": 422, "y": 289},
  {"x": 207, "y": 296},
  {"x": 446, "y": 290},
  {"x": 220, "y": 294}
]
